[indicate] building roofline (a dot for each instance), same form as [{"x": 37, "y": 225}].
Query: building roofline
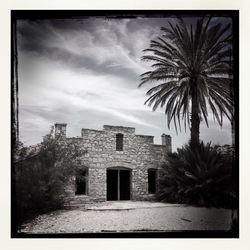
[
  {"x": 145, "y": 135},
  {"x": 112, "y": 126}
]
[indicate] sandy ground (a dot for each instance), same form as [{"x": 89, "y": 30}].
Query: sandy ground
[{"x": 130, "y": 216}]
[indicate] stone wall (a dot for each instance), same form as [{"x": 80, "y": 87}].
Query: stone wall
[{"x": 139, "y": 154}]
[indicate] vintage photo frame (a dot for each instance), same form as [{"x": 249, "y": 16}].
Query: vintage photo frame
[{"x": 67, "y": 14}]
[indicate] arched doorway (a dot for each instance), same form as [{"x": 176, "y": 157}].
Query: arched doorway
[{"x": 118, "y": 183}]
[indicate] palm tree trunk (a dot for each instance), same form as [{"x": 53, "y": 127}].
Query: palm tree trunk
[{"x": 195, "y": 119}]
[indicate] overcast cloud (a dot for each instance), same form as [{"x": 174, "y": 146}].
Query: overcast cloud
[{"x": 85, "y": 73}]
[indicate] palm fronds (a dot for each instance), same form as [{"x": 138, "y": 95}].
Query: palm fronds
[{"x": 187, "y": 60}]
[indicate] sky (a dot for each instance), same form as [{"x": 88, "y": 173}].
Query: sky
[{"x": 86, "y": 72}]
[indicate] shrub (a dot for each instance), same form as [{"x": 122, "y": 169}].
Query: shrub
[
  {"x": 42, "y": 174},
  {"x": 197, "y": 176}
]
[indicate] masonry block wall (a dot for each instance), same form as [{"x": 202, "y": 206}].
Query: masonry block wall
[{"x": 138, "y": 155}]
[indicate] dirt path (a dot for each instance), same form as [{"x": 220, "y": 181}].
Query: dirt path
[{"x": 131, "y": 217}]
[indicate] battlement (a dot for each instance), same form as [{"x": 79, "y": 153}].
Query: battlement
[
  {"x": 110, "y": 130},
  {"x": 119, "y": 128}
]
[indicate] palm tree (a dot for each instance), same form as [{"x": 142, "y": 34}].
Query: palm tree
[{"x": 192, "y": 72}]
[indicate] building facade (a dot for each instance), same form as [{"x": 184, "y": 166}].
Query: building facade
[{"x": 118, "y": 164}]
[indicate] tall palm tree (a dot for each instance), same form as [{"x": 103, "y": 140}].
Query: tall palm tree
[{"x": 192, "y": 72}]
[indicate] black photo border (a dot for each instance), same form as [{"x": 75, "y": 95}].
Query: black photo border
[{"x": 118, "y": 14}]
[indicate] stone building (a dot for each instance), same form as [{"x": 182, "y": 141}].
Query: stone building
[{"x": 118, "y": 164}]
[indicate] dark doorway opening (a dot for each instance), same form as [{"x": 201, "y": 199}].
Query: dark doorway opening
[
  {"x": 81, "y": 182},
  {"x": 151, "y": 181},
  {"x": 118, "y": 184},
  {"x": 112, "y": 181}
]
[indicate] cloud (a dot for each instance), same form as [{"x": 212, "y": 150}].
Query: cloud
[
  {"x": 50, "y": 86},
  {"x": 105, "y": 47},
  {"x": 85, "y": 72}
]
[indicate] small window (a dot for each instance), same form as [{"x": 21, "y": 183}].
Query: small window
[
  {"x": 151, "y": 181},
  {"x": 81, "y": 182},
  {"x": 119, "y": 142}
]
